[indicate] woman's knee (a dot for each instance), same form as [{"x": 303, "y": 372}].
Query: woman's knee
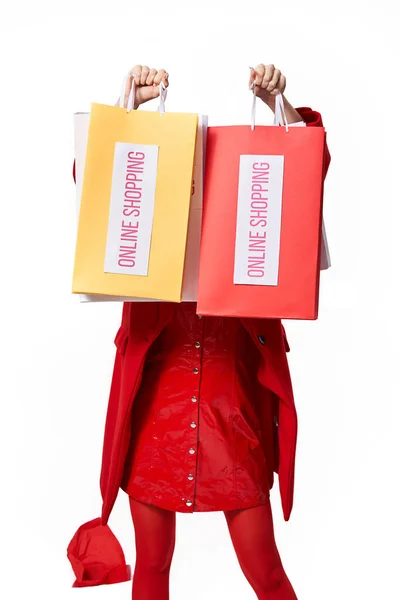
[
  {"x": 154, "y": 536},
  {"x": 154, "y": 560}
]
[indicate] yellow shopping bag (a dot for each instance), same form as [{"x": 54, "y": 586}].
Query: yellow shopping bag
[{"x": 134, "y": 212}]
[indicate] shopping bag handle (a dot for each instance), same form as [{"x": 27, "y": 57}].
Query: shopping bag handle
[
  {"x": 280, "y": 113},
  {"x": 131, "y": 98}
]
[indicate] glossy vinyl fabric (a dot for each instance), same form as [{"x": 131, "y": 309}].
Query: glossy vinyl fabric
[{"x": 196, "y": 441}]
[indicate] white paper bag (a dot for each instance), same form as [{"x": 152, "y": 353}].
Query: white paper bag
[
  {"x": 190, "y": 275},
  {"x": 325, "y": 258}
]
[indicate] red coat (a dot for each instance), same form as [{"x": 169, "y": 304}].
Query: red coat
[
  {"x": 141, "y": 325},
  {"x": 196, "y": 442}
]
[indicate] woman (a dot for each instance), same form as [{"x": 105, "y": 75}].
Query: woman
[{"x": 201, "y": 414}]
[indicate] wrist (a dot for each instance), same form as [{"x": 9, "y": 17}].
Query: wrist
[{"x": 270, "y": 102}]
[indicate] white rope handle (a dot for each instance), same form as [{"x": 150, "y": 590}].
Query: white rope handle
[
  {"x": 253, "y": 106},
  {"x": 280, "y": 113},
  {"x": 163, "y": 97},
  {"x": 131, "y": 98}
]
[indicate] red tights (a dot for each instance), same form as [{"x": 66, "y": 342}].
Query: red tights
[{"x": 252, "y": 535}]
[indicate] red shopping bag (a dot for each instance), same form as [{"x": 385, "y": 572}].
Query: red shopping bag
[{"x": 261, "y": 235}]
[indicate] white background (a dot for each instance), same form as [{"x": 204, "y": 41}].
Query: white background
[{"x": 341, "y": 58}]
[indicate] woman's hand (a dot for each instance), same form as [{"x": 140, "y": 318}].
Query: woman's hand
[
  {"x": 267, "y": 82},
  {"x": 147, "y": 84}
]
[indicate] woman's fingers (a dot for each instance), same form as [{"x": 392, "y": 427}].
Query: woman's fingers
[
  {"x": 273, "y": 82},
  {"x": 267, "y": 77},
  {"x": 252, "y": 78},
  {"x": 259, "y": 74},
  {"x": 162, "y": 76},
  {"x": 280, "y": 86},
  {"x": 137, "y": 73},
  {"x": 144, "y": 75},
  {"x": 147, "y": 82},
  {"x": 151, "y": 76},
  {"x": 267, "y": 81}
]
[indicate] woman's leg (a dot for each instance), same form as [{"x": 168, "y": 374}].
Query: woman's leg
[
  {"x": 252, "y": 535},
  {"x": 155, "y": 543}
]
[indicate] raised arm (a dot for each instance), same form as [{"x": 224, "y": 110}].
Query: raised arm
[
  {"x": 270, "y": 81},
  {"x": 147, "y": 87}
]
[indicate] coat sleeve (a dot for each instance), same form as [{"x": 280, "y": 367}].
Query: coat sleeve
[{"x": 313, "y": 118}]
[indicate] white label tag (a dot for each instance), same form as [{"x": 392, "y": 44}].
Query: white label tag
[
  {"x": 258, "y": 227},
  {"x": 130, "y": 221}
]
